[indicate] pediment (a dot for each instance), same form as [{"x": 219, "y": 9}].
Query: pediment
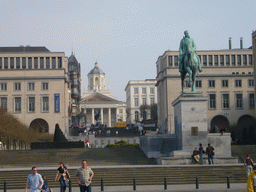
[{"x": 97, "y": 97}]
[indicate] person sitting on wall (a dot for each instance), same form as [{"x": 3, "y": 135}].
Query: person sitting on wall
[{"x": 195, "y": 155}]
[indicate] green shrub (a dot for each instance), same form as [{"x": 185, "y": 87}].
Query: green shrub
[{"x": 121, "y": 143}]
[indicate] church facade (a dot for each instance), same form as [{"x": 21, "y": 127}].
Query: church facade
[{"x": 97, "y": 100}]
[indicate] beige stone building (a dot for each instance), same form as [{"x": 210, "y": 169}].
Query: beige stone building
[
  {"x": 140, "y": 92},
  {"x": 34, "y": 86},
  {"x": 97, "y": 99},
  {"x": 227, "y": 81},
  {"x": 254, "y": 57}
]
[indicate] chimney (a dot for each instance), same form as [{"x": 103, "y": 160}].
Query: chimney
[
  {"x": 230, "y": 43},
  {"x": 241, "y": 42}
]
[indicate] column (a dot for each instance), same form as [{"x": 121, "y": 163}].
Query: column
[
  {"x": 109, "y": 117},
  {"x": 116, "y": 116},
  {"x": 101, "y": 113},
  {"x": 92, "y": 115}
]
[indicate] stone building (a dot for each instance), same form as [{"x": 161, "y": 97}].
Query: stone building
[
  {"x": 227, "y": 80},
  {"x": 98, "y": 100},
  {"x": 140, "y": 92},
  {"x": 34, "y": 86}
]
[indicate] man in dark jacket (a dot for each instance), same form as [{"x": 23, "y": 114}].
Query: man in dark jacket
[{"x": 210, "y": 153}]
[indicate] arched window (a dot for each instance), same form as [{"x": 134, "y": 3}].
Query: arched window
[{"x": 136, "y": 115}]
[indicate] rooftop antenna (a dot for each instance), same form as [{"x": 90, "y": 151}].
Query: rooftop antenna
[{"x": 72, "y": 49}]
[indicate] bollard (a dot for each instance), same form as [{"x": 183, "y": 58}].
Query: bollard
[
  {"x": 197, "y": 187},
  {"x": 228, "y": 184},
  {"x": 101, "y": 185},
  {"x": 5, "y": 186},
  {"x": 134, "y": 184},
  {"x": 165, "y": 184},
  {"x": 70, "y": 186}
]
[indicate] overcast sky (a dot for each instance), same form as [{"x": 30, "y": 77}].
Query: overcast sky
[{"x": 125, "y": 36}]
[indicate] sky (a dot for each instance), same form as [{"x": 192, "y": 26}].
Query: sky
[{"x": 126, "y": 37}]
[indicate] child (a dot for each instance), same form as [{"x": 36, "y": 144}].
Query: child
[{"x": 45, "y": 186}]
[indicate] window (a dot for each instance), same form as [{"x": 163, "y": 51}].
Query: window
[
  {"x": 152, "y": 101},
  {"x": 136, "y": 90},
  {"x": 152, "y": 90},
  {"x": 3, "y": 102},
  {"x": 198, "y": 83},
  {"x": 47, "y": 62},
  {"x": 59, "y": 62},
  {"x": 41, "y": 62},
  {"x": 239, "y": 60},
  {"x": 53, "y": 62},
  {"x": 250, "y": 59},
  {"x": 45, "y": 104},
  {"x": 17, "y": 104},
  {"x": 210, "y": 60},
  {"x": 36, "y": 62},
  {"x": 136, "y": 115},
  {"x": 250, "y": 82},
  {"x": 251, "y": 101},
  {"x": 144, "y": 90},
  {"x": 30, "y": 62},
  {"x": 6, "y": 62},
  {"x": 31, "y": 104},
  {"x": 225, "y": 101},
  {"x": 24, "y": 62},
  {"x": 144, "y": 101},
  {"x": 3, "y": 86},
  {"x": 170, "y": 60},
  {"x": 1, "y": 63},
  {"x": 238, "y": 83},
  {"x": 239, "y": 101},
  {"x": 17, "y": 62},
  {"x": 244, "y": 59},
  {"x": 227, "y": 60},
  {"x": 176, "y": 61},
  {"x": 211, "y": 83},
  {"x": 17, "y": 86},
  {"x": 31, "y": 86},
  {"x": 212, "y": 101},
  {"x": 136, "y": 102},
  {"x": 233, "y": 59},
  {"x": 224, "y": 83},
  {"x": 44, "y": 86},
  {"x": 11, "y": 62},
  {"x": 222, "y": 60},
  {"x": 205, "y": 60},
  {"x": 216, "y": 60}
]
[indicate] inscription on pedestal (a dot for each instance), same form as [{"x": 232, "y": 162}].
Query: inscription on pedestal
[{"x": 194, "y": 130}]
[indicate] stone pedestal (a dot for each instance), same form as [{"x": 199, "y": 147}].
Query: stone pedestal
[{"x": 190, "y": 115}]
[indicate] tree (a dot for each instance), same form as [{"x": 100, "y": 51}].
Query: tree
[
  {"x": 153, "y": 111},
  {"x": 58, "y": 134},
  {"x": 143, "y": 111}
]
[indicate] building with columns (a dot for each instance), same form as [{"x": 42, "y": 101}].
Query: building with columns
[
  {"x": 227, "y": 81},
  {"x": 98, "y": 100},
  {"x": 34, "y": 86},
  {"x": 140, "y": 92}
]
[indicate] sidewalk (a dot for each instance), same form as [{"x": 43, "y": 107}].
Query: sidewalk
[{"x": 240, "y": 187}]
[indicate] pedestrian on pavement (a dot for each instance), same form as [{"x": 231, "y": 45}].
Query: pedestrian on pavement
[
  {"x": 249, "y": 164},
  {"x": 195, "y": 155},
  {"x": 210, "y": 153},
  {"x": 201, "y": 152},
  {"x": 83, "y": 177},
  {"x": 251, "y": 181},
  {"x": 62, "y": 176},
  {"x": 35, "y": 181}
]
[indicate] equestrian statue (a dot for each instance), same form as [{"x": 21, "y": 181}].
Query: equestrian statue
[{"x": 189, "y": 61}]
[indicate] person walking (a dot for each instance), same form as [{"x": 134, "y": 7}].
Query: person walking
[
  {"x": 62, "y": 176},
  {"x": 251, "y": 181},
  {"x": 249, "y": 164},
  {"x": 83, "y": 177},
  {"x": 210, "y": 153},
  {"x": 35, "y": 181},
  {"x": 201, "y": 152}
]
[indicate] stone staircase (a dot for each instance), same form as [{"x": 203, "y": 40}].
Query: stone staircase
[{"x": 144, "y": 175}]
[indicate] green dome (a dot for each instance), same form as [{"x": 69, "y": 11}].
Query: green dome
[{"x": 96, "y": 69}]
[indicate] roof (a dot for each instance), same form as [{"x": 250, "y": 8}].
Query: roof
[
  {"x": 98, "y": 98},
  {"x": 24, "y": 49},
  {"x": 96, "y": 69},
  {"x": 72, "y": 59}
]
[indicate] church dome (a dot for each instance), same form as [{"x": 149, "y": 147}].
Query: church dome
[{"x": 96, "y": 69}]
